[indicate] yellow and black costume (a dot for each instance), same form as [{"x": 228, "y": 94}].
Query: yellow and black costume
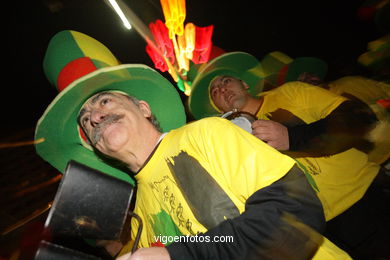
[
  {"x": 210, "y": 171},
  {"x": 342, "y": 178}
]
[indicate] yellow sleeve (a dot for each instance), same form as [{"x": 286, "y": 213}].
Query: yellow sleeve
[
  {"x": 312, "y": 102},
  {"x": 329, "y": 251},
  {"x": 238, "y": 159}
]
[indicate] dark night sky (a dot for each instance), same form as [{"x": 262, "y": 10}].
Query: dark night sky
[{"x": 330, "y": 30}]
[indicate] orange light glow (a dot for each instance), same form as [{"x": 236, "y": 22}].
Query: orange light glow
[
  {"x": 175, "y": 14},
  {"x": 189, "y": 32},
  {"x": 177, "y": 45}
]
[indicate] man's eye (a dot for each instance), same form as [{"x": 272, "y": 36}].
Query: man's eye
[
  {"x": 104, "y": 101},
  {"x": 85, "y": 120},
  {"x": 227, "y": 80}
]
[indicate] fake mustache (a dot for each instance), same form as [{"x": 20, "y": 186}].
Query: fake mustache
[{"x": 99, "y": 129}]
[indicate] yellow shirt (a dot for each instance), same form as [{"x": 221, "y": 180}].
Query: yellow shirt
[
  {"x": 201, "y": 149},
  {"x": 343, "y": 178},
  {"x": 370, "y": 91},
  {"x": 204, "y": 153}
]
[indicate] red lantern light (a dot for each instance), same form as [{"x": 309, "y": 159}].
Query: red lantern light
[
  {"x": 164, "y": 44},
  {"x": 203, "y": 44}
]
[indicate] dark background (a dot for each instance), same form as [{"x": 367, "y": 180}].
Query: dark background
[
  {"x": 326, "y": 29},
  {"x": 330, "y": 30}
]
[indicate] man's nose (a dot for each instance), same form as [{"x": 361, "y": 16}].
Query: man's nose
[
  {"x": 222, "y": 88},
  {"x": 97, "y": 117}
]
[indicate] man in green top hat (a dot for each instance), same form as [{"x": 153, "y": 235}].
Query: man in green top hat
[{"x": 191, "y": 183}]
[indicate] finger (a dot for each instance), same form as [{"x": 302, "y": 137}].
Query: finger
[
  {"x": 263, "y": 133},
  {"x": 263, "y": 137},
  {"x": 261, "y": 123},
  {"x": 264, "y": 128},
  {"x": 261, "y": 130}
]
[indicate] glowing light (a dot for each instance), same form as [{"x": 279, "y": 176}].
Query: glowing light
[
  {"x": 186, "y": 45},
  {"x": 182, "y": 62},
  {"x": 175, "y": 45},
  {"x": 160, "y": 34},
  {"x": 18, "y": 144},
  {"x": 175, "y": 14},
  {"x": 174, "y": 54},
  {"x": 203, "y": 44},
  {"x": 164, "y": 45},
  {"x": 118, "y": 10},
  {"x": 190, "y": 34}
]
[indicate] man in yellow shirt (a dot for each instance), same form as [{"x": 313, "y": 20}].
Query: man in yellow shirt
[
  {"x": 190, "y": 180},
  {"x": 324, "y": 132},
  {"x": 372, "y": 93}
]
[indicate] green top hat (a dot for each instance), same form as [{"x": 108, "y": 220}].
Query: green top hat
[
  {"x": 79, "y": 66},
  {"x": 236, "y": 64},
  {"x": 311, "y": 65},
  {"x": 273, "y": 64}
]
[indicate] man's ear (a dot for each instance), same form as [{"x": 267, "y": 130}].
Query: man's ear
[
  {"x": 145, "y": 108},
  {"x": 246, "y": 86}
]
